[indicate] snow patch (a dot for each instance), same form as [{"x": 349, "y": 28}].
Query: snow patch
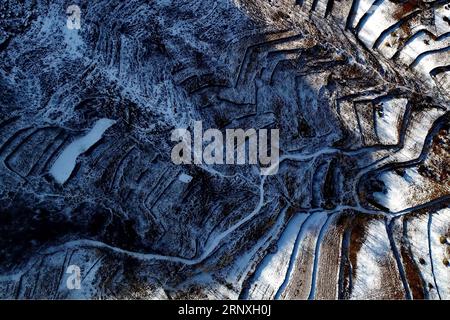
[
  {"x": 185, "y": 178},
  {"x": 388, "y": 121},
  {"x": 64, "y": 165},
  {"x": 374, "y": 251}
]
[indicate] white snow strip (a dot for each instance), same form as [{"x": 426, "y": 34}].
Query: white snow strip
[
  {"x": 306, "y": 244},
  {"x": 416, "y": 134},
  {"x": 272, "y": 271},
  {"x": 377, "y": 22},
  {"x": 418, "y": 45},
  {"x": 363, "y": 7},
  {"x": 64, "y": 165}
]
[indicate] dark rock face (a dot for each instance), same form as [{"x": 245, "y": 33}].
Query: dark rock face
[{"x": 359, "y": 206}]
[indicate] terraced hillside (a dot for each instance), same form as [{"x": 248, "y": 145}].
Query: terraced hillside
[{"x": 359, "y": 208}]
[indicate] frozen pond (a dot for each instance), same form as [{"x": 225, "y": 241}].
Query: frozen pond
[{"x": 64, "y": 165}]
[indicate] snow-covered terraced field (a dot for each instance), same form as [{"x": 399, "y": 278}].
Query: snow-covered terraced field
[{"x": 359, "y": 207}]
